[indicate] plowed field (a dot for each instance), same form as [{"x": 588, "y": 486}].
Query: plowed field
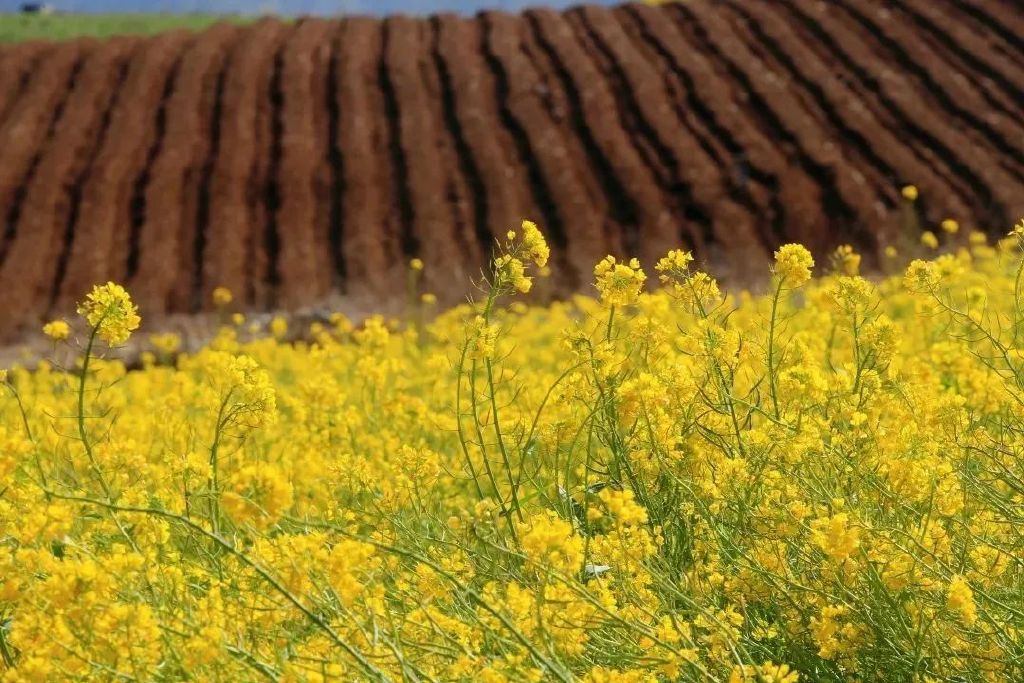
[{"x": 287, "y": 161}]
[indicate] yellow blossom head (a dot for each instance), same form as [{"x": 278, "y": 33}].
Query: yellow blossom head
[
  {"x": 510, "y": 273},
  {"x": 793, "y": 265},
  {"x": 109, "y": 310},
  {"x": 416, "y": 264},
  {"x": 535, "y": 247},
  {"x": 921, "y": 276},
  {"x": 166, "y": 344},
  {"x": 909, "y": 192},
  {"x": 57, "y": 330},
  {"x": 929, "y": 239},
  {"x": 279, "y": 327},
  {"x": 222, "y": 297},
  {"x": 950, "y": 226},
  {"x": 845, "y": 260},
  {"x": 619, "y": 284}
]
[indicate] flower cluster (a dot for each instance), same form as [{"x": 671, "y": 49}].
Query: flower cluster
[
  {"x": 109, "y": 310},
  {"x": 619, "y": 284},
  {"x": 813, "y": 484}
]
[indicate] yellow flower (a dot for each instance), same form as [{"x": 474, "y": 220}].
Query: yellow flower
[
  {"x": 57, "y": 330},
  {"x": 166, "y": 344},
  {"x": 550, "y": 543},
  {"x": 793, "y": 264},
  {"x": 960, "y": 599},
  {"x": 109, "y": 310},
  {"x": 929, "y": 239},
  {"x": 765, "y": 673},
  {"x": 846, "y": 260},
  {"x": 259, "y": 496},
  {"x": 674, "y": 266},
  {"x": 921, "y": 276},
  {"x": 950, "y": 226},
  {"x": 416, "y": 264},
  {"x": 534, "y": 245},
  {"x": 428, "y": 298},
  {"x": 222, "y": 297},
  {"x": 279, "y": 327},
  {"x": 836, "y": 536},
  {"x": 909, "y": 193},
  {"x": 619, "y": 283},
  {"x": 483, "y": 338},
  {"x": 509, "y": 272}
]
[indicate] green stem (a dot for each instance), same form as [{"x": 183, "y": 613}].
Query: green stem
[
  {"x": 461, "y": 431},
  {"x": 214, "y": 502},
  {"x": 492, "y": 296},
  {"x": 81, "y": 411},
  {"x": 5, "y": 649},
  {"x": 771, "y": 350},
  {"x": 31, "y": 437}
]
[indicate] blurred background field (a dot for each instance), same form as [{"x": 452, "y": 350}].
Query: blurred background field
[
  {"x": 101, "y": 18},
  {"x": 16, "y": 27}
]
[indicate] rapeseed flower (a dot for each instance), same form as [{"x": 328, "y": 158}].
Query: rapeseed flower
[
  {"x": 619, "y": 284},
  {"x": 57, "y": 330},
  {"x": 109, "y": 310},
  {"x": 640, "y": 487},
  {"x": 793, "y": 264}
]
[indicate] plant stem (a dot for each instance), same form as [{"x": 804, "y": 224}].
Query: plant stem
[{"x": 771, "y": 350}]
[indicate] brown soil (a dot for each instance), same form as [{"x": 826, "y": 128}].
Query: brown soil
[{"x": 295, "y": 162}]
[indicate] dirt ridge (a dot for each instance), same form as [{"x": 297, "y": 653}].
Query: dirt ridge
[{"x": 292, "y": 162}]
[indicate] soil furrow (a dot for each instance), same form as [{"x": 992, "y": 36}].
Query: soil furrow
[
  {"x": 857, "y": 123},
  {"x": 504, "y": 196},
  {"x": 558, "y": 92},
  {"x": 26, "y": 133},
  {"x": 963, "y": 155},
  {"x": 427, "y": 219},
  {"x": 104, "y": 216},
  {"x": 333, "y": 180},
  {"x": 973, "y": 48},
  {"x": 886, "y": 120},
  {"x": 294, "y": 161},
  {"x": 27, "y": 275},
  {"x": 304, "y": 262},
  {"x": 266, "y": 275},
  {"x": 953, "y": 93},
  {"x": 235, "y": 224},
  {"x": 695, "y": 177},
  {"x": 453, "y": 153},
  {"x": 968, "y": 66},
  {"x": 370, "y": 249},
  {"x": 572, "y": 218},
  {"x": 161, "y": 248},
  {"x": 849, "y": 194},
  {"x": 327, "y": 175},
  {"x": 17, "y": 62},
  {"x": 754, "y": 155},
  {"x": 1003, "y": 22},
  {"x": 637, "y": 207}
]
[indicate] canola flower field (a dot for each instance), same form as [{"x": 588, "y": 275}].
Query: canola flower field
[{"x": 822, "y": 483}]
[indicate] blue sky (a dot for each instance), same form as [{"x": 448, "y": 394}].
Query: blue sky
[{"x": 322, "y": 7}]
